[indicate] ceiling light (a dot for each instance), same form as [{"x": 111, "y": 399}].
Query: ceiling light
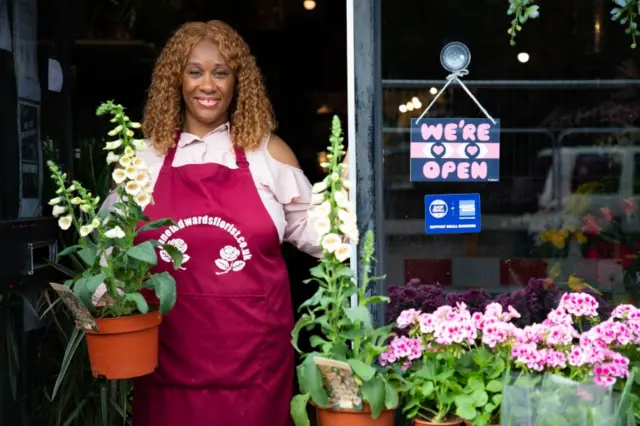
[
  {"x": 523, "y": 57},
  {"x": 402, "y": 108},
  {"x": 433, "y": 90},
  {"x": 309, "y": 4}
]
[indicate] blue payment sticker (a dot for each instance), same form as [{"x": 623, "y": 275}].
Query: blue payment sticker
[{"x": 452, "y": 214}]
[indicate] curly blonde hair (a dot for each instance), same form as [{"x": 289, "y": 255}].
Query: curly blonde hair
[{"x": 251, "y": 113}]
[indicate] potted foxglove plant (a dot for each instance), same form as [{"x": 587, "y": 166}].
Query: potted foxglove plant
[
  {"x": 120, "y": 325},
  {"x": 342, "y": 378}
]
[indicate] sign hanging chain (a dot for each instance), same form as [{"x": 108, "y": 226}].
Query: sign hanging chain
[{"x": 451, "y": 77}]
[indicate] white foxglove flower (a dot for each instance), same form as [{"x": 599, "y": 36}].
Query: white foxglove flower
[
  {"x": 350, "y": 230},
  {"x": 346, "y": 217},
  {"x": 132, "y": 188},
  {"x": 343, "y": 252},
  {"x": 129, "y": 152},
  {"x": 76, "y": 201},
  {"x": 346, "y": 183},
  {"x": 317, "y": 198},
  {"x": 331, "y": 242},
  {"x": 322, "y": 225},
  {"x": 139, "y": 144},
  {"x": 58, "y": 210},
  {"x": 143, "y": 199},
  {"x": 71, "y": 188},
  {"x": 85, "y": 230},
  {"x": 135, "y": 125},
  {"x": 125, "y": 161},
  {"x": 110, "y": 146},
  {"x": 65, "y": 222},
  {"x": 341, "y": 197},
  {"x": 119, "y": 176},
  {"x": 131, "y": 172},
  {"x": 142, "y": 178},
  {"x": 130, "y": 133},
  {"x": 115, "y": 131},
  {"x": 138, "y": 163},
  {"x": 116, "y": 232},
  {"x": 54, "y": 201},
  {"x": 319, "y": 187},
  {"x": 112, "y": 157},
  {"x": 95, "y": 223},
  {"x": 335, "y": 177},
  {"x": 86, "y": 208},
  {"x": 148, "y": 188}
]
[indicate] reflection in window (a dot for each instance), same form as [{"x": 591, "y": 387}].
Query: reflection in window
[{"x": 603, "y": 170}]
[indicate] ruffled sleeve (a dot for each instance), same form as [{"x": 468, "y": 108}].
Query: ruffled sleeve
[{"x": 292, "y": 190}]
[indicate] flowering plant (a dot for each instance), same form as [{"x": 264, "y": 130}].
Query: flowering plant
[
  {"x": 347, "y": 332},
  {"x": 624, "y": 11},
  {"x": 117, "y": 269},
  {"x": 454, "y": 361}
]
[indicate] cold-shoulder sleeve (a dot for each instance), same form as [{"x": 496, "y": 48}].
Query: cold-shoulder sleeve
[{"x": 292, "y": 190}]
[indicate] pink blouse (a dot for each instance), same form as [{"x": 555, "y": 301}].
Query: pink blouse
[{"x": 284, "y": 190}]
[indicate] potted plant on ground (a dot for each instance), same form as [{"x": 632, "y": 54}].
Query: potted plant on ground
[
  {"x": 342, "y": 378},
  {"x": 107, "y": 299},
  {"x": 454, "y": 363}
]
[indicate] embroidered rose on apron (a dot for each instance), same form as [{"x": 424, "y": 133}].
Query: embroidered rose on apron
[
  {"x": 228, "y": 261},
  {"x": 181, "y": 245}
]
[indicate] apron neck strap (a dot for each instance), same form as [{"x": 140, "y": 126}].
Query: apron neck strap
[{"x": 241, "y": 157}]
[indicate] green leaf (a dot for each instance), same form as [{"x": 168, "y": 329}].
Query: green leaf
[
  {"x": 475, "y": 384},
  {"x": 304, "y": 321},
  {"x": 427, "y": 389},
  {"x": 144, "y": 252},
  {"x": 376, "y": 299},
  {"x": 155, "y": 225},
  {"x": 165, "y": 288},
  {"x": 69, "y": 250},
  {"x": 299, "y": 410},
  {"x": 318, "y": 272},
  {"x": 373, "y": 391},
  {"x": 316, "y": 341},
  {"x": 480, "y": 398},
  {"x": 494, "y": 386},
  {"x": 391, "y": 398},
  {"x": 176, "y": 255},
  {"x": 88, "y": 255},
  {"x": 483, "y": 357},
  {"x": 313, "y": 382},
  {"x": 359, "y": 313},
  {"x": 467, "y": 412},
  {"x": 362, "y": 370},
  {"x": 85, "y": 287},
  {"x": 462, "y": 400},
  {"x": 139, "y": 300}
]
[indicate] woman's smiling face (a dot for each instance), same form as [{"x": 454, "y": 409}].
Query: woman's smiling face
[{"x": 208, "y": 87}]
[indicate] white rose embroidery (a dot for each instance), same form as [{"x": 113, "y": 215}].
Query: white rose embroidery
[
  {"x": 228, "y": 260},
  {"x": 180, "y": 244}
]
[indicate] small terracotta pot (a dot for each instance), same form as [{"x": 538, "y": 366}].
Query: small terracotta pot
[
  {"x": 124, "y": 347},
  {"x": 451, "y": 421},
  {"x": 346, "y": 417}
]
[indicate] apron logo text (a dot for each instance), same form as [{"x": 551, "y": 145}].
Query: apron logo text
[{"x": 231, "y": 258}]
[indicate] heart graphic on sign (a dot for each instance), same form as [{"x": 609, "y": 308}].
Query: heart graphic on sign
[
  {"x": 471, "y": 150},
  {"x": 437, "y": 149}
]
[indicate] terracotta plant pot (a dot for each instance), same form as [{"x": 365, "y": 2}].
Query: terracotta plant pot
[
  {"x": 345, "y": 417},
  {"x": 124, "y": 347},
  {"x": 450, "y": 421}
]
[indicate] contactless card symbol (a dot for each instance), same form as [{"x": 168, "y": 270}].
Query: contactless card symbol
[{"x": 438, "y": 209}]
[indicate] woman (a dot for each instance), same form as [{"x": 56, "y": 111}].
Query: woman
[{"x": 236, "y": 192}]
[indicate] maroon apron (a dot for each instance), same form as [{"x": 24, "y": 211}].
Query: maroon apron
[{"x": 225, "y": 352}]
